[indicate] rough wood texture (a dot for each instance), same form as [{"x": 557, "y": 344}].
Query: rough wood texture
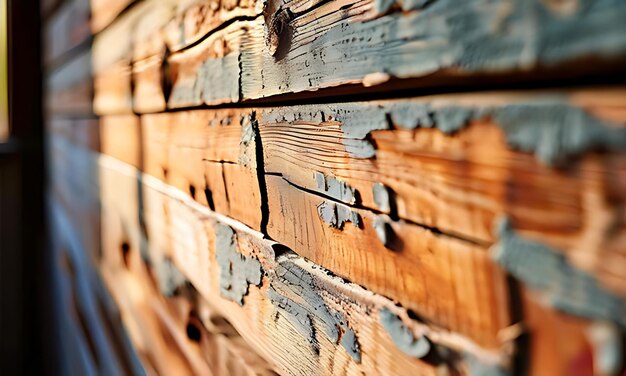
[
  {"x": 447, "y": 162},
  {"x": 293, "y": 46},
  {"x": 269, "y": 317},
  {"x": 204, "y": 153}
]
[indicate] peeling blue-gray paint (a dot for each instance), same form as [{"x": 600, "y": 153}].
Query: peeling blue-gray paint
[
  {"x": 553, "y": 132},
  {"x": 350, "y": 342},
  {"x": 336, "y": 215},
  {"x": 294, "y": 293},
  {"x": 383, "y": 229},
  {"x": 237, "y": 271},
  {"x": 382, "y": 197},
  {"x": 334, "y": 188},
  {"x": 547, "y": 271},
  {"x": 402, "y": 336},
  {"x": 169, "y": 277}
]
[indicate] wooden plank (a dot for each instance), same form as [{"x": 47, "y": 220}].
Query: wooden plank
[
  {"x": 199, "y": 152},
  {"x": 459, "y": 184},
  {"x": 354, "y": 43},
  {"x": 199, "y": 243},
  {"x": 296, "y": 46},
  {"x": 66, "y": 29},
  {"x": 407, "y": 159}
]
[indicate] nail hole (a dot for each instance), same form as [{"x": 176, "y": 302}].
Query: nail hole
[{"x": 193, "y": 332}]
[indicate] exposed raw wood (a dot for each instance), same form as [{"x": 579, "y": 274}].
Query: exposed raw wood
[
  {"x": 449, "y": 282},
  {"x": 462, "y": 175},
  {"x": 185, "y": 232},
  {"x": 67, "y": 29}
]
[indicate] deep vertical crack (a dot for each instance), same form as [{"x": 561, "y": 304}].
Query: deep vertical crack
[{"x": 260, "y": 172}]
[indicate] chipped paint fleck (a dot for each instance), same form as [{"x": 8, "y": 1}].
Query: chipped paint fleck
[
  {"x": 382, "y": 197},
  {"x": 336, "y": 215},
  {"x": 402, "y": 336},
  {"x": 337, "y": 189},
  {"x": 383, "y": 230},
  {"x": 295, "y": 295}
]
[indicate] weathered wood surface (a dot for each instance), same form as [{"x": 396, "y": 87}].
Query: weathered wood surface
[
  {"x": 65, "y": 30},
  {"x": 301, "y": 325},
  {"x": 448, "y": 163},
  {"x": 198, "y": 152},
  {"x": 256, "y": 51}
]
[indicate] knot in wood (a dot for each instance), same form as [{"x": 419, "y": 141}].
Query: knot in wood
[{"x": 280, "y": 32}]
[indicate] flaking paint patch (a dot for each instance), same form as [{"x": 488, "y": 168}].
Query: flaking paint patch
[
  {"x": 237, "y": 271},
  {"x": 382, "y": 197},
  {"x": 402, "y": 336},
  {"x": 337, "y": 189},
  {"x": 356, "y": 121},
  {"x": 553, "y": 132},
  {"x": 294, "y": 293},
  {"x": 336, "y": 215},
  {"x": 169, "y": 277},
  {"x": 548, "y": 272},
  {"x": 471, "y": 36},
  {"x": 383, "y": 229}
]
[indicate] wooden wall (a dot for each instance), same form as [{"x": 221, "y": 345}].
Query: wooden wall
[{"x": 344, "y": 186}]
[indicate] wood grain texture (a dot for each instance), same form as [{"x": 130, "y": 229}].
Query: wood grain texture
[
  {"x": 461, "y": 180},
  {"x": 187, "y": 234},
  {"x": 448, "y": 163},
  {"x": 451, "y": 283},
  {"x": 286, "y": 47},
  {"x": 201, "y": 153}
]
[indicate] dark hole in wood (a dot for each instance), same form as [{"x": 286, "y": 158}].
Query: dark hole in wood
[
  {"x": 125, "y": 247},
  {"x": 193, "y": 332},
  {"x": 209, "y": 198}
]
